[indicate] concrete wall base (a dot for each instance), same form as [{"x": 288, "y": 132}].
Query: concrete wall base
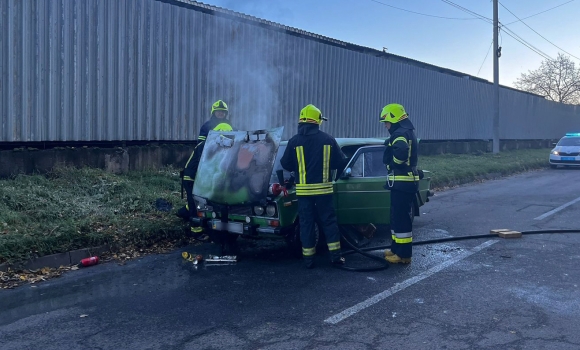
[
  {"x": 427, "y": 147},
  {"x": 149, "y": 157},
  {"x": 117, "y": 160}
]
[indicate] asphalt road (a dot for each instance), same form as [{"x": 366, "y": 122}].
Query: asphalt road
[{"x": 473, "y": 294}]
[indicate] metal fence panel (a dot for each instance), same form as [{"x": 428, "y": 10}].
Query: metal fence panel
[{"x": 101, "y": 70}]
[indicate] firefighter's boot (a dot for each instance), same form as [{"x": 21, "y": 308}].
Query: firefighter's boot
[
  {"x": 336, "y": 258},
  {"x": 197, "y": 233},
  {"x": 309, "y": 262},
  {"x": 388, "y": 252},
  {"x": 395, "y": 259},
  {"x": 196, "y": 229}
]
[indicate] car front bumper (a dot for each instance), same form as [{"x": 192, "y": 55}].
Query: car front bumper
[
  {"x": 564, "y": 160},
  {"x": 235, "y": 227}
]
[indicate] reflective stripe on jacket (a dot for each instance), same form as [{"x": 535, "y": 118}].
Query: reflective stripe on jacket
[
  {"x": 312, "y": 155},
  {"x": 193, "y": 162},
  {"x": 400, "y": 158}
]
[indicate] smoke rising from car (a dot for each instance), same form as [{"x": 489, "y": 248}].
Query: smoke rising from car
[{"x": 248, "y": 74}]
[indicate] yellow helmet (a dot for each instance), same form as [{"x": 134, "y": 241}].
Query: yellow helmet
[
  {"x": 393, "y": 113},
  {"x": 219, "y": 105},
  {"x": 311, "y": 114},
  {"x": 223, "y": 127}
]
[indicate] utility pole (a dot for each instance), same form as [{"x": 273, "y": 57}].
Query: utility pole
[{"x": 495, "y": 80}]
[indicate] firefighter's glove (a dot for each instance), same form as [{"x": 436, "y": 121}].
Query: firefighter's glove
[
  {"x": 277, "y": 189},
  {"x": 289, "y": 183}
]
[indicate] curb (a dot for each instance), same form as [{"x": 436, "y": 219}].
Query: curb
[{"x": 56, "y": 260}]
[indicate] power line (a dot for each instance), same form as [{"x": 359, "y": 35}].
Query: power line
[
  {"x": 539, "y": 13},
  {"x": 485, "y": 58},
  {"x": 481, "y": 17},
  {"x": 506, "y": 29},
  {"x": 537, "y": 32},
  {"x": 526, "y": 44},
  {"x": 419, "y": 13}
]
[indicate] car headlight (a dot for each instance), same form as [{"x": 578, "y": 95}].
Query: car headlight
[
  {"x": 555, "y": 153},
  {"x": 258, "y": 210},
  {"x": 271, "y": 210}
]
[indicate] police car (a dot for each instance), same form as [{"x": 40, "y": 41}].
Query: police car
[{"x": 566, "y": 152}]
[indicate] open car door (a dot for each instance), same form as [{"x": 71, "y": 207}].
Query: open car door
[{"x": 359, "y": 194}]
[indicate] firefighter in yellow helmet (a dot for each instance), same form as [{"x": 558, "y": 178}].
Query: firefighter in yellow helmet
[
  {"x": 218, "y": 122},
  {"x": 400, "y": 157},
  {"x": 312, "y": 155}
]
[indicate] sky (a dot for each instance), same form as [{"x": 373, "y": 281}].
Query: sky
[{"x": 458, "y": 44}]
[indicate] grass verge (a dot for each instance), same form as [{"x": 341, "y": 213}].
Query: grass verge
[
  {"x": 449, "y": 170},
  {"x": 78, "y": 208}
]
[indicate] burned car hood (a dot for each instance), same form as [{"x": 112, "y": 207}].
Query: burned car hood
[{"x": 236, "y": 166}]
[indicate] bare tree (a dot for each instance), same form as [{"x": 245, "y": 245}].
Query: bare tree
[{"x": 557, "y": 80}]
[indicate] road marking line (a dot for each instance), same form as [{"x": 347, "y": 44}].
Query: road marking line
[
  {"x": 554, "y": 211},
  {"x": 399, "y": 287}
]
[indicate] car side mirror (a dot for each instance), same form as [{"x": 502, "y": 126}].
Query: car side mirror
[{"x": 346, "y": 174}]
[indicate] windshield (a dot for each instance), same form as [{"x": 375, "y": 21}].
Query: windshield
[
  {"x": 569, "y": 141},
  {"x": 347, "y": 150}
]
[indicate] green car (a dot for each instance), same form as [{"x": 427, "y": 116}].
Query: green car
[{"x": 267, "y": 210}]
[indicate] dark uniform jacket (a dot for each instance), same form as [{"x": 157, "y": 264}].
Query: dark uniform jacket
[
  {"x": 193, "y": 162},
  {"x": 400, "y": 157},
  {"x": 312, "y": 155},
  {"x": 210, "y": 125}
]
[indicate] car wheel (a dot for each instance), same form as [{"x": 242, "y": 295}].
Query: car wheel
[
  {"x": 553, "y": 166},
  {"x": 351, "y": 235},
  {"x": 293, "y": 238}
]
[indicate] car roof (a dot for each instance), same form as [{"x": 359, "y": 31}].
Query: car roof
[
  {"x": 353, "y": 141},
  {"x": 359, "y": 141}
]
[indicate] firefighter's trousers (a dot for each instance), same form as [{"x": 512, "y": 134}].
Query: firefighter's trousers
[
  {"x": 188, "y": 186},
  {"x": 309, "y": 207},
  {"x": 401, "y": 223}
]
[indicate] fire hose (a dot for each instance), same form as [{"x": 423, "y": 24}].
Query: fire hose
[{"x": 385, "y": 264}]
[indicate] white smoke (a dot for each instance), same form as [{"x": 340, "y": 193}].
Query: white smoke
[
  {"x": 250, "y": 71},
  {"x": 249, "y": 80}
]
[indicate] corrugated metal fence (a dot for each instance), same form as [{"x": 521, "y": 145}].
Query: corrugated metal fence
[{"x": 100, "y": 70}]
